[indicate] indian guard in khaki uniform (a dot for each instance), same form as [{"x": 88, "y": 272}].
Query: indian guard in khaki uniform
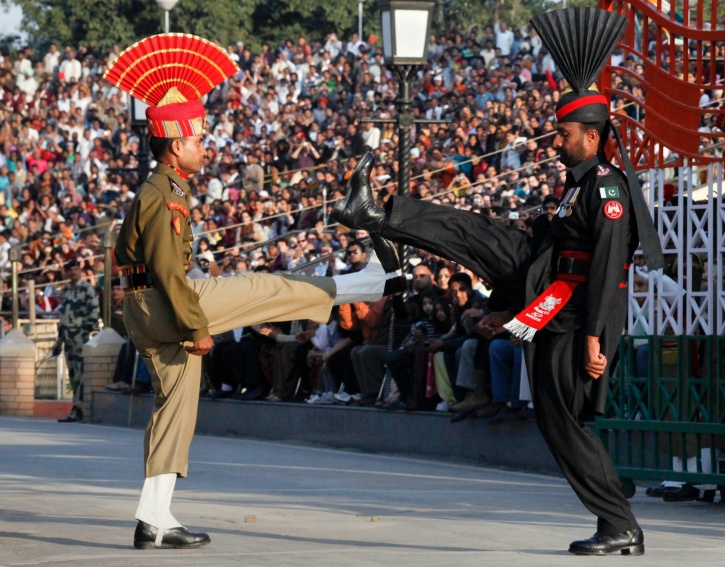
[{"x": 171, "y": 318}]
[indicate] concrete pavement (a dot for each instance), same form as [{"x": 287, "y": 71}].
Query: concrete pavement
[{"x": 68, "y": 493}]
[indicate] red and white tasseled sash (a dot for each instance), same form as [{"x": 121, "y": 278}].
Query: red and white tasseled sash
[{"x": 545, "y": 307}]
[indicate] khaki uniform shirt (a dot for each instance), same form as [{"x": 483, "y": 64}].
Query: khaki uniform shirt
[{"x": 157, "y": 232}]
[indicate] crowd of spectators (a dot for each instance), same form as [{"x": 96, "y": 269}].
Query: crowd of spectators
[{"x": 284, "y": 135}]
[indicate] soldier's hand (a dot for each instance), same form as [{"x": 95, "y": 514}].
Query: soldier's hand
[
  {"x": 202, "y": 347},
  {"x": 594, "y": 361},
  {"x": 492, "y": 324}
]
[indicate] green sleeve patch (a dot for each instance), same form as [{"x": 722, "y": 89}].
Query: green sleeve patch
[{"x": 609, "y": 192}]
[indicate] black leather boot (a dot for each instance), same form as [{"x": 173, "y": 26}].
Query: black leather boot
[
  {"x": 387, "y": 253},
  {"x": 176, "y": 538},
  {"x": 357, "y": 209},
  {"x": 76, "y": 414},
  {"x": 630, "y": 542}
]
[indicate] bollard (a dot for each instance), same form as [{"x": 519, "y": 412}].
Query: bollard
[
  {"x": 99, "y": 361},
  {"x": 17, "y": 374}
]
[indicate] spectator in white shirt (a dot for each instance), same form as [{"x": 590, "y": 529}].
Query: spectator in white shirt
[
  {"x": 371, "y": 136},
  {"x": 354, "y": 45},
  {"x": 333, "y": 46},
  {"x": 51, "y": 61},
  {"x": 504, "y": 36},
  {"x": 70, "y": 69}
]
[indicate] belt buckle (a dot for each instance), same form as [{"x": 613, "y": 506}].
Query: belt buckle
[{"x": 565, "y": 265}]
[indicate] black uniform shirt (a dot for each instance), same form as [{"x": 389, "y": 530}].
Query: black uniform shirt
[{"x": 601, "y": 222}]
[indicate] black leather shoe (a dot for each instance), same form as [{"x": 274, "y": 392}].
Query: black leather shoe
[
  {"x": 462, "y": 415},
  {"x": 658, "y": 491},
  {"x": 250, "y": 394},
  {"x": 630, "y": 542},
  {"x": 387, "y": 253},
  {"x": 75, "y": 415},
  {"x": 686, "y": 493},
  {"x": 176, "y": 538},
  {"x": 357, "y": 209},
  {"x": 219, "y": 394}
]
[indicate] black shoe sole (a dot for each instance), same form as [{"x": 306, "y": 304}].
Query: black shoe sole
[
  {"x": 629, "y": 550},
  {"x": 145, "y": 545}
]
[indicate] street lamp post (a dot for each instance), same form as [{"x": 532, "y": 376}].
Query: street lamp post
[
  {"x": 14, "y": 256},
  {"x": 137, "y": 115},
  {"x": 166, "y": 6},
  {"x": 406, "y": 28},
  {"x": 360, "y": 5},
  {"x": 109, "y": 240}
]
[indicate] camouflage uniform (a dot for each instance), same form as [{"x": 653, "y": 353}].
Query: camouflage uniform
[{"x": 79, "y": 314}]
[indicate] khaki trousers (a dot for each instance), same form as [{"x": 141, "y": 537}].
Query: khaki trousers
[{"x": 228, "y": 303}]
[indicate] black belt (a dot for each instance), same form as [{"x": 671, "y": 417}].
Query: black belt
[
  {"x": 573, "y": 266},
  {"x": 136, "y": 282},
  {"x": 578, "y": 267}
]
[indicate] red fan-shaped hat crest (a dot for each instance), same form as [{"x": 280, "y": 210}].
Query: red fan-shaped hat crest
[
  {"x": 150, "y": 68},
  {"x": 171, "y": 72}
]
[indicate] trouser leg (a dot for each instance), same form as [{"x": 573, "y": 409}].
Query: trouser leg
[
  {"x": 559, "y": 399},
  {"x": 369, "y": 363},
  {"x": 501, "y": 355},
  {"x": 495, "y": 252},
  {"x": 443, "y": 383},
  {"x": 216, "y": 363},
  {"x": 175, "y": 377},
  {"x": 466, "y": 376},
  {"x": 340, "y": 365},
  {"x": 74, "y": 360},
  {"x": 241, "y": 362},
  {"x": 516, "y": 397},
  {"x": 250, "y": 299},
  {"x": 399, "y": 364}
]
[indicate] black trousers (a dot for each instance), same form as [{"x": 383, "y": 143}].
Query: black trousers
[
  {"x": 236, "y": 364},
  {"x": 502, "y": 255}
]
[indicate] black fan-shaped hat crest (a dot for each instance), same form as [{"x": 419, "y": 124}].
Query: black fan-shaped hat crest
[{"x": 581, "y": 41}]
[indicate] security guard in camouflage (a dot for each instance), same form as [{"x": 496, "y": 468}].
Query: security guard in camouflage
[{"x": 79, "y": 315}]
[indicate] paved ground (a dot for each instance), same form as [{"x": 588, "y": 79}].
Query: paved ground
[{"x": 68, "y": 492}]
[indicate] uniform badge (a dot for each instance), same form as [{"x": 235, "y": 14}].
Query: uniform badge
[
  {"x": 613, "y": 210},
  {"x": 177, "y": 190},
  {"x": 176, "y": 225},
  {"x": 568, "y": 202},
  {"x": 609, "y": 192},
  {"x": 602, "y": 171},
  {"x": 174, "y": 206}
]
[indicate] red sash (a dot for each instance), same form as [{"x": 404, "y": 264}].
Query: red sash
[{"x": 545, "y": 307}]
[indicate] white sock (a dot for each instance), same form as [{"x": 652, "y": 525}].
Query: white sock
[
  {"x": 154, "y": 507},
  {"x": 705, "y": 456},
  {"x": 366, "y": 285}
]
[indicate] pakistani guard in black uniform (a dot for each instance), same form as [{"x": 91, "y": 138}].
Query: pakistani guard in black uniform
[{"x": 571, "y": 290}]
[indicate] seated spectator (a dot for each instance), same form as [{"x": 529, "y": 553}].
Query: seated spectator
[
  {"x": 506, "y": 355},
  {"x": 408, "y": 364},
  {"x": 291, "y": 350},
  {"x": 368, "y": 359},
  {"x": 235, "y": 367}
]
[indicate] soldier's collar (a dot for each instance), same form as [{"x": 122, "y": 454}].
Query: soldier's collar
[
  {"x": 184, "y": 176},
  {"x": 579, "y": 170}
]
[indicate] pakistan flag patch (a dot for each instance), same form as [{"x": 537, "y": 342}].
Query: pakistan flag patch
[{"x": 609, "y": 192}]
